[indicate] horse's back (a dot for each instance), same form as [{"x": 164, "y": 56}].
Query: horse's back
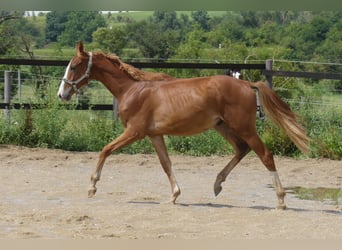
[{"x": 190, "y": 106}]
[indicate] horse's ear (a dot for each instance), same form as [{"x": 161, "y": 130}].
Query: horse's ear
[{"x": 80, "y": 49}]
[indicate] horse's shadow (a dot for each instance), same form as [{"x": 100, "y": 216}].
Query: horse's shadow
[{"x": 218, "y": 205}]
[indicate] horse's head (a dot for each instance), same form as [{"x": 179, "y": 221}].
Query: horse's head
[{"x": 77, "y": 73}]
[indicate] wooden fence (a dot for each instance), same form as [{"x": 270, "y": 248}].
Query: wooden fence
[
  {"x": 7, "y": 105},
  {"x": 265, "y": 68}
]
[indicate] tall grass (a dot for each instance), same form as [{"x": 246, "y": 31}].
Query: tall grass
[
  {"x": 56, "y": 127},
  {"x": 76, "y": 130}
]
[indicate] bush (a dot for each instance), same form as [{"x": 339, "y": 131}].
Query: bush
[
  {"x": 325, "y": 129},
  {"x": 205, "y": 144},
  {"x": 277, "y": 141}
]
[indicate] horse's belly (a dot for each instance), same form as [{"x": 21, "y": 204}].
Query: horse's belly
[{"x": 182, "y": 126}]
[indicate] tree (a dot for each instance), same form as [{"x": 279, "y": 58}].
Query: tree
[
  {"x": 250, "y": 19},
  {"x": 307, "y": 37},
  {"x": 80, "y": 27},
  {"x": 110, "y": 40},
  {"x": 166, "y": 19},
  {"x": 152, "y": 40},
  {"x": 202, "y": 18},
  {"x": 331, "y": 49},
  {"x": 9, "y": 15},
  {"x": 55, "y": 25},
  {"x": 193, "y": 45},
  {"x": 14, "y": 32},
  {"x": 228, "y": 28},
  {"x": 8, "y": 33},
  {"x": 160, "y": 35}
]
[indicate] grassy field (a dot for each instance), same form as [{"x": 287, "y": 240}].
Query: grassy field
[
  {"x": 112, "y": 17},
  {"x": 134, "y": 15},
  {"x": 143, "y": 15},
  {"x": 54, "y": 51}
]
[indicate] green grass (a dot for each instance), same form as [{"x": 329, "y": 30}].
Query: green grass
[
  {"x": 135, "y": 15},
  {"x": 54, "y": 51},
  {"x": 333, "y": 99},
  {"x": 38, "y": 21},
  {"x": 144, "y": 15}
]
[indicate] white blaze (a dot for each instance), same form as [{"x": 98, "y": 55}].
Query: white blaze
[{"x": 62, "y": 84}]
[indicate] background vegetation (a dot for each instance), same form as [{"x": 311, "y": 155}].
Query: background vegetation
[{"x": 295, "y": 40}]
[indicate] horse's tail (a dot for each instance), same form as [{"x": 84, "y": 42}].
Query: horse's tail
[{"x": 280, "y": 113}]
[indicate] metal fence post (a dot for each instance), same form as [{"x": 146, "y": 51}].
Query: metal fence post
[
  {"x": 115, "y": 109},
  {"x": 269, "y": 65},
  {"x": 19, "y": 85},
  {"x": 7, "y": 94}
]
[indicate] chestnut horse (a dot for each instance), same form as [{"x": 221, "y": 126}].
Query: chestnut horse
[{"x": 155, "y": 104}]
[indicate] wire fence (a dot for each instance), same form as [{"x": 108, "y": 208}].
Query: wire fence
[
  {"x": 25, "y": 83},
  {"x": 96, "y": 93}
]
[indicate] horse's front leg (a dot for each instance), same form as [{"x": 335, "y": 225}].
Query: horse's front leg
[
  {"x": 127, "y": 137},
  {"x": 159, "y": 145}
]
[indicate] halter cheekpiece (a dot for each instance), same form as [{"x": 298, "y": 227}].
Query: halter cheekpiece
[{"x": 86, "y": 74}]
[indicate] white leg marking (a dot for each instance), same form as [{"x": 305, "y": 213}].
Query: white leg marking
[
  {"x": 276, "y": 180},
  {"x": 279, "y": 189}
]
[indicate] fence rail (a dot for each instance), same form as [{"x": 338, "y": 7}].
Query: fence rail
[
  {"x": 265, "y": 68},
  {"x": 164, "y": 65},
  {"x": 313, "y": 75}
]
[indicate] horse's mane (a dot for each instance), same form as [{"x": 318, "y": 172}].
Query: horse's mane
[{"x": 135, "y": 73}]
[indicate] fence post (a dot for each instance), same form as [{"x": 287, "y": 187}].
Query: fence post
[
  {"x": 268, "y": 64},
  {"x": 19, "y": 85},
  {"x": 7, "y": 94},
  {"x": 115, "y": 109}
]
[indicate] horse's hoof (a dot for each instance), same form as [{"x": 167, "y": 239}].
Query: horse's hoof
[
  {"x": 281, "y": 207},
  {"x": 217, "y": 189},
  {"x": 91, "y": 192},
  {"x": 168, "y": 202}
]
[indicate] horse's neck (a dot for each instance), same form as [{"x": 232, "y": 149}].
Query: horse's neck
[
  {"x": 156, "y": 76},
  {"x": 117, "y": 85},
  {"x": 118, "y": 81}
]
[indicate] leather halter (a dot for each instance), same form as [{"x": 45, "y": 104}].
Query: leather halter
[{"x": 74, "y": 83}]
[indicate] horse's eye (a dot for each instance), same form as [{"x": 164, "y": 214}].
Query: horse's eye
[{"x": 72, "y": 68}]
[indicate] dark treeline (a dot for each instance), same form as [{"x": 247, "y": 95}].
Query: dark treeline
[{"x": 163, "y": 35}]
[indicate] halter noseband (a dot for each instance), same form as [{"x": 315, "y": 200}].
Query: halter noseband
[{"x": 86, "y": 74}]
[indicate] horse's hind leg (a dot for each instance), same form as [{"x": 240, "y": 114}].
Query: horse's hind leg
[
  {"x": 241, "y": 150},
  {"x": 159, "y": 145},
  {"x": 267, "y": 159}
]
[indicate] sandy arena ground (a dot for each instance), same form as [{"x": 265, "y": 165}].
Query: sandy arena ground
[{"x": 44, "y": 195}]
